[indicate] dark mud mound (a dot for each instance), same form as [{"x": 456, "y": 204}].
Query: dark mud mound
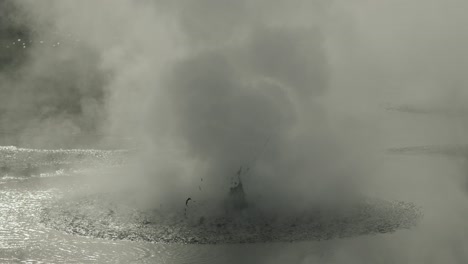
[{"x": 97, "y": 216}]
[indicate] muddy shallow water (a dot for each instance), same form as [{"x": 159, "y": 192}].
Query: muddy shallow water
[{"x": 25, "y": 238}]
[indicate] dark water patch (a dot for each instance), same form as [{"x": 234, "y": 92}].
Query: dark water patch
[
  {"x": 437, "y": 150},
  {"x": 98, "y": 216}
]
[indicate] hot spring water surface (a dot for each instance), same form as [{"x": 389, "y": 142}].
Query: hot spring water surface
[{"x": 36, "y": 226}]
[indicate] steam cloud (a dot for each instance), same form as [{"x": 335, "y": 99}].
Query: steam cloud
[{"x": 200, "y": 85}]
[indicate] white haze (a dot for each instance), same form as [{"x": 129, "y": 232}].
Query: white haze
[{"x": 200, "y": 85}]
